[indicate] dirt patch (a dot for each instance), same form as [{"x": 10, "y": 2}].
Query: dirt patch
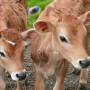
[{"x": 71, "y": 80}]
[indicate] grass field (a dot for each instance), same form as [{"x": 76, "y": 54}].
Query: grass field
[{"x": 41, "y": 3}]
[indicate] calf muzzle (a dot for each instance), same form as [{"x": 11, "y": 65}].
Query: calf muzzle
[
  {"x": 84, "y": 63},
  {"x": 21, "y": 76}
]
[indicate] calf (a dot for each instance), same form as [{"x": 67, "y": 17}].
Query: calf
[
  {"x": 12, "y": 15},
  {"x": 53, "y": 46},
  {"x": 59, "y": 8},
  {"x": 11, "y": 55}
]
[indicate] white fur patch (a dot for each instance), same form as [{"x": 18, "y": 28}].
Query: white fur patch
[
  {"x": 76, "y": 64},
  {"x": 13, "y": 76},
  {"x": 10, "y": 42}
]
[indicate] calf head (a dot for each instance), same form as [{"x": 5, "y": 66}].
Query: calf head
[
  {"x": 11, "y": 53},
  {"x": 69, "y": 38}
]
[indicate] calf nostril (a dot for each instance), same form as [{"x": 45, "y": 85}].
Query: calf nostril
[
  {"x": 21, "y": 76},
  {"x": 84, "y": 63}
]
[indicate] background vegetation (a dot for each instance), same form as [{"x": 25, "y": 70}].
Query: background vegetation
[{"x": 41, "y": 4}]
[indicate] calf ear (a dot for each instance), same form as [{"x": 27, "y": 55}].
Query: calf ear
[
  {"x": 85, "y": 18},
  {"x": 27, "y": 35},
  {"x": 44, "y": 26}
]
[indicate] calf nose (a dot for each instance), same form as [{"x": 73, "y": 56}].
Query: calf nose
[
  {"x": 21, "y": 76},
  {"x": 84, "y": 63}
]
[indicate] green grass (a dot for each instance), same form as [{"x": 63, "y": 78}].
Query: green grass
[{"x": 41, "y": 4}]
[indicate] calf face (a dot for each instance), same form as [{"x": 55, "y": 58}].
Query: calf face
[
  {"x": 68, "y": 37},
  {"x": 11, "y": 53}
]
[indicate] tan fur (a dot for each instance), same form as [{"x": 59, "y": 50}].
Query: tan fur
[
  {"x": 59, "y": 8},
  {"x": 13, "y": 15},
  {"x": 24, "y": 3}
]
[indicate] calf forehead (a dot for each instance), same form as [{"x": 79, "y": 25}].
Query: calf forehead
[
  {"x": 64, "y": 28},
  {"x": 72, "y": 29},
  {"x": 11, "y": 35}
]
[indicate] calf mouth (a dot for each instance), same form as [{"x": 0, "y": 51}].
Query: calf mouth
[{"x": 18, "y": 76}]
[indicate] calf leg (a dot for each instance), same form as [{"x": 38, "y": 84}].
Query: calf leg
[
  {"x": 39, "y": 83},
  {"x": 59, "y": 85},
  {"x": 20, "y": 86},
  {"x": 83, "y": 76},
  {"x": 2, "y": 84}
]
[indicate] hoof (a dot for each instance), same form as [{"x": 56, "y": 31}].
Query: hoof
[{"x": 83, "y": 82}]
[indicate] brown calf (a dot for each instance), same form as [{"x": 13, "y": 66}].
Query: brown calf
[
  {"x": 53, "y": 46},
  {"x": 12, "y": 15},
  {"x": 11, "y": 55},
  {"x": 60, "y": 8}
]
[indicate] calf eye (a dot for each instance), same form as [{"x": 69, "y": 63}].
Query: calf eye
[
  {"x": 2, "y": 54},
  {"x": 63, "y": 39}
]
